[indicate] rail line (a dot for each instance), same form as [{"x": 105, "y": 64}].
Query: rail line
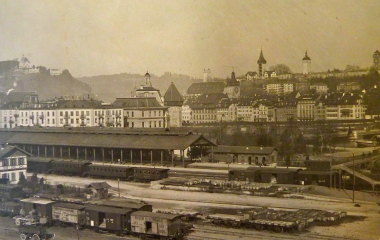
[{"x": 200, "y": 232}]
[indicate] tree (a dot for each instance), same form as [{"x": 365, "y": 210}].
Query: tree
[
  {"x": 22, "y": 180},
  {"x": 280, "y": 69}
]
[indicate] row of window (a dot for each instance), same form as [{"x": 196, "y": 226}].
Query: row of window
[{"x": 12, "y": 162}]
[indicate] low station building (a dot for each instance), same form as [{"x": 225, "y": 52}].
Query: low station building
[{"x": 251, "y": 155}]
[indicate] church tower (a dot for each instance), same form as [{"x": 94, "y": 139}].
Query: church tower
[
  {"x": 306, "y": 64},
  {"x": 261, "y": 61},
  {"x": 376, "y": 60}
]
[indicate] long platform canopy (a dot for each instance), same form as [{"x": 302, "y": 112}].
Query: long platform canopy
[{"x": 139, "y": 140}]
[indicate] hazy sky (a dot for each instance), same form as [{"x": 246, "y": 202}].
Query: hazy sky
[{"x": 185, "y": 36}]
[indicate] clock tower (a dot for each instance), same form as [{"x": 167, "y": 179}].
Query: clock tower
[
  {"x": 232, "y": 88},
  {"x": 376, "y": 60}
]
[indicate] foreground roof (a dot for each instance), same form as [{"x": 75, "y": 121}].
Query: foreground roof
[
  {"x": 130, "y": 140},
  {"x": 155, "y": 215}
]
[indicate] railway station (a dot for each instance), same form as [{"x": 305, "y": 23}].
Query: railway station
[{"x": 132, "y": 147}]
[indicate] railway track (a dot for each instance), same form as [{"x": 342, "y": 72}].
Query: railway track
[{"x": 206, "y": 233}]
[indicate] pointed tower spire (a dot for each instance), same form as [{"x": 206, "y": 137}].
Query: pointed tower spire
[{"x": 261, "y": 61}]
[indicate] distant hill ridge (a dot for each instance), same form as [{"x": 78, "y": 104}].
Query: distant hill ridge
[{"x": 109, "y": 87}]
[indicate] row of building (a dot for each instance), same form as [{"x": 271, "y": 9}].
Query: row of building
[
  {"x": 146, "y": 108},
  {"x": 216, "y": 107}
]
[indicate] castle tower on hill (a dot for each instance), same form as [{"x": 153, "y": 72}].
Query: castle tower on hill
[
  {"x": 376, "y": 60},
  {"x": 206, "y": 75},
  {"x": 260, "y": 62},
  {"x": 306, "y": 64}
]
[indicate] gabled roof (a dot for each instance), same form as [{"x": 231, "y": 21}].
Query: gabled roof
[
  {"x": 206, "y": 87},
  {"x": 261, "y": 58},
  {"x": 148, "y": 102},
  {"x": 251, "y": 74},
  {"x": 208, "y": 100},
  {"x": 172, "y": 96},
  {"x": 244, "y": 149},
  {"x": 99, "y": 185},
  {"x": 6, "y": 151}
]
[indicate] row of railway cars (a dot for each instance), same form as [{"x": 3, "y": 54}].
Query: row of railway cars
[
  {"x": 84, "y": 169},
  {"x": 103, "y": 216}
]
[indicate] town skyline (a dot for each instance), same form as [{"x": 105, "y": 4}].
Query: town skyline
[{"x": 137, "y": 36}]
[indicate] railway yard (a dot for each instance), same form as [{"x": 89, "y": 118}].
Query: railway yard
[{"x": 360, "y": 222}]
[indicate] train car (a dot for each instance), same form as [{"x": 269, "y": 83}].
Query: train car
[
  {"x": 10, "y": 192},
  {"x": 243, "y": 175},
  {"x": 150, "y": 174},
  {"x": 111, "y": 171},
  {"x": 70, "y": 167},
  {"x": 9, "y": 209},
  {"x": 157, "y": 225},
  {"x": 111, "y": 219},
  {"x": 69, "y": 214},
  {"x": 38, "y": 208},
  {"x": 39, "y": 165},
  {"x": 314, "y": 177},
  {"x": 228, "y": 220}
]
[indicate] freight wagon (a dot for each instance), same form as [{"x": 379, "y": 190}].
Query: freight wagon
[
  {"x": 159, "y": 225},
  {"x": 69, "y": 214}
]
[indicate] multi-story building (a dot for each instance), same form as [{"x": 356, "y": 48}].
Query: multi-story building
[
  {"x": 306, "y": 108},
  {"x": 147, "y": 90},
  {"x": 142, "y": 112},
  {"x": 278, "y": 87},
  {"x": 13, "y": 163},
  {"x": 319, "y": 88},
  {"x": 348, "y": 87},
  {"x": 204, "y": 107},
  {"x": 270, "y": 74}
]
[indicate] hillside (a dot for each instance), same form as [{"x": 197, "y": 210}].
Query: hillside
[
  {"x": 46, "y": 86},
  {"x": 109, "y": 87}
]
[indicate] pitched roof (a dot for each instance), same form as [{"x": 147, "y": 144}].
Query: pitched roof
[
  {"x": 306, "y": 57},
  {"x": 6, "y": 151},
  {"x": 148, "y": 102},
  {"x": 206, "y": 87},
  {"x": 172, "y": 96},
  {"x": 261, "y": 58},
  {"x": 99, "y": 185},
  {"x": 69, "y": 206},
  {"x": 208, "y": 100},
  {"x": 244, "y": 149},
  {"x": 91, "y": 139}
]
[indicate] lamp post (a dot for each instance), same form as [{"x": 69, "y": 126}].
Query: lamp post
[{"x": 353, "y": 182}]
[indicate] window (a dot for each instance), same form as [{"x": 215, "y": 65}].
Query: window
[
  {"x": 13, "y": 162},
  {"x": 142, "y": 113},
  {"x": 142, "y": 125},
  {"x": 71, "y": 113},
  {"x": 61, "y": 114},
  {"x": 87, "y": 113},
  {"x": 53, "y": 121},
  {"x": 21, "y": 161}
]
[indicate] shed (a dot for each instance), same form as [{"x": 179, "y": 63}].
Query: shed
[
  {"x": 109, "y": 218},
  {"x": 252, "y": 155},
  {"x": 99, "y": 189},
  {"x": 161, "y": 224}
]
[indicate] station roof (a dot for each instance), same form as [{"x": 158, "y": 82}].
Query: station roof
[
  {"x": 274, "y": 169},
  {"x": 106, "y": 140},
  {"x": 120, "y": 204}
]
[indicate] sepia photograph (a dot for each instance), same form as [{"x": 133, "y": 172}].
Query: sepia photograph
[{"x": 190, "y": 119}]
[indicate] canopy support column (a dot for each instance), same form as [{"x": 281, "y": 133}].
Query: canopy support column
[
  {"x": 131, "y": 157},
  {"x": 162, "y": 158},
  {"x": 141, "y": 157},
  {"x": 151, "y": 157}
]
